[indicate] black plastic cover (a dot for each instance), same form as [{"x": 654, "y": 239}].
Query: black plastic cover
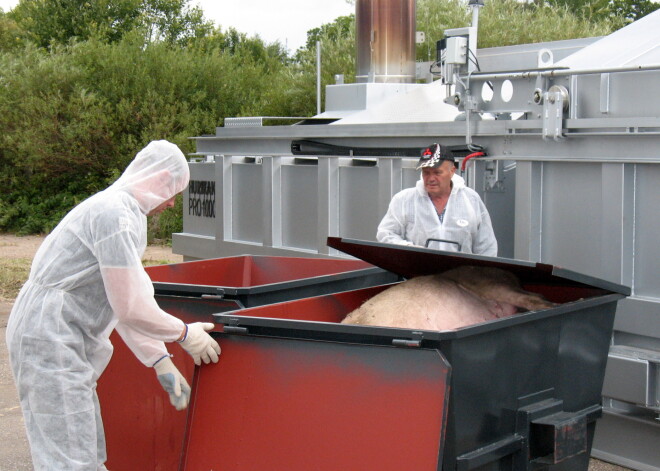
[{"x": 416, "y": 261}]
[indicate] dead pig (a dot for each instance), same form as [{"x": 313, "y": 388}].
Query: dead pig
[{"x": 456, "y": 298}]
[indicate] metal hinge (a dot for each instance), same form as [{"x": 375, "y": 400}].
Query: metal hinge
[
  {"x": 233, "y": 329},
  {"x": 555, "y": 102}
]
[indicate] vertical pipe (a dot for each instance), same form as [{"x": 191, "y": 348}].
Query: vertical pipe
[
  {"x": 474, "y": 32},
  {"x": 385, "y": 32},
  {"x": 318, "y": 77},
  {"x": 475, "y": 13}
]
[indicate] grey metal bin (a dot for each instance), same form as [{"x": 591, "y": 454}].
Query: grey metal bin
[{"x": 523, "y": 392}]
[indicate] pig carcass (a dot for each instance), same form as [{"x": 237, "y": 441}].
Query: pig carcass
[{"x": 456, "y": 298}]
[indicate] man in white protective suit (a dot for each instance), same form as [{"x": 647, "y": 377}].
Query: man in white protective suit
[
  {"x": 86, "y": 280},
  {"x": 439, "y": 210}
]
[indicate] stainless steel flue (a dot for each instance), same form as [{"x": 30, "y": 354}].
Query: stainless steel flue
[{"x": 385, "y": 41}]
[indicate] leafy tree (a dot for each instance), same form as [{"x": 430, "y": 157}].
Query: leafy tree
[
  {"x": 332, "y": 32},
  {"x": 507, "y": 22},
  {"x": 50, "y": 22},
  {"x": 633, "y": 10},
  {"x": 239, "y": 44},
  {"x": 293, "y": 91},
  {"x": 433, "y": 18},
  {"x": 73, "y": 117},
  {"x": 12, "y": 37},
  {"x": 625, "y": 11},
  {"x": 590, "y": 9},
  {"x": 173, "y": 21}
]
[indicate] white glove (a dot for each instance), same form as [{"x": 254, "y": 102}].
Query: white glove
[
  {"x": 173, "y": 383},
  {"x": 199, "y": 344}
]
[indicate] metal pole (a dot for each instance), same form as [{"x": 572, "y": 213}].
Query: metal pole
[
  {"x": 562, "y": 71},
  {"x": 474, "y": 32},
  {"x": 318, "y": 77}
]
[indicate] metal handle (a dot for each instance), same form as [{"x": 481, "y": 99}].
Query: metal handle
[{"x": 443, "y": 240}]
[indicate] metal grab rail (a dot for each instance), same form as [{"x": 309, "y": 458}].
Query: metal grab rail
[{"x": 442, "y": 240}]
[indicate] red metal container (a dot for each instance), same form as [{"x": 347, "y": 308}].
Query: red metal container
[
  {"x": 143, "y": 431},
  {"x": 251, "y": 280},
  {"x": 301, "y": 405}
]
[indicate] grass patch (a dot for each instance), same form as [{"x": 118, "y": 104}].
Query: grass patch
[
  {"x": 13, "y": 273},
  {"x": 147, "y": 262}
]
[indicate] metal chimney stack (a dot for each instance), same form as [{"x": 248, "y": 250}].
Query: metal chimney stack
[{"x": 385, "y": 41}]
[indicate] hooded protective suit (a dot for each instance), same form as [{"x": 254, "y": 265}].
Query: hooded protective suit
[
  {"x": 411, "y": 219},
  {"x": 86, "y": 279}
]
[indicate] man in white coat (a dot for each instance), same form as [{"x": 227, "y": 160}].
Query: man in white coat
[
  {"x": 86, "y": 280},
  {"x": 439, "y": 210}
]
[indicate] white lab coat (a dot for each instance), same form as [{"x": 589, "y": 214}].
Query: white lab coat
[
  {"x": 86, "y": 279},
  {"x": 412, "y": 219}
]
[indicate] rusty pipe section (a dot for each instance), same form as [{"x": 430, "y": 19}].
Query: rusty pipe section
[{"x": 385, "y": 31}]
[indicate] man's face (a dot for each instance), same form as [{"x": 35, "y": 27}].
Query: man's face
[
  {"x": 437, "y": 181},
  {"x": 163, "y": 206}
]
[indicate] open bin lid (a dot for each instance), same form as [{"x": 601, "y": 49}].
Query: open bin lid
[{"x": 416, "y": 261}]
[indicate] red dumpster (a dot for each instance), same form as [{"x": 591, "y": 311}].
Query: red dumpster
[
  {"x": 143, "y": 431},
  {"x": 252, "y": 280}
]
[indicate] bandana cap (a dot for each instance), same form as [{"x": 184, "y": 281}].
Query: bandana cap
[{"x": 433, "y": 156}]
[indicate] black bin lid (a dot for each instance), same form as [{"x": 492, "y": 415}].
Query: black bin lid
[{"x": 416, "y": 261}]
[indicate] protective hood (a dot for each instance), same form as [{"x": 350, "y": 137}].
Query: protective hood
[{"x": 156, "y": 174}]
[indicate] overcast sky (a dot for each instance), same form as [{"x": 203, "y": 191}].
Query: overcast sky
[{"x": 285, "y": 20}]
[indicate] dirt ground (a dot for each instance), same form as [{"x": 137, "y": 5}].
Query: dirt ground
[{"x": 14, "y": 449}]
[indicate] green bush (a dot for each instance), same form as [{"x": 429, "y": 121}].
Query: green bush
[
  {"x": 161, "y": 227},
  {"x": 507, "y": 22},
  {"x": 74, "y": 117}
]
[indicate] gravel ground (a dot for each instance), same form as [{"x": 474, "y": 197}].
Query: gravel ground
[{"x": 14, "y": 451}]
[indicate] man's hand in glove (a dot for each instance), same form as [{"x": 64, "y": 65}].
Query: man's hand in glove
[
  {"x": 199, "y": 344},
  {"x": 173, "y": 382}
]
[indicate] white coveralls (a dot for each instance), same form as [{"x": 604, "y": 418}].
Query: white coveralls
[
  {"x": 87, "y": 279},
  {"x": 412, "y": 219}
]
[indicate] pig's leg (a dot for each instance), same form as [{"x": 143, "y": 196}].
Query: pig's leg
[
  {"x": 525, "y": 299},
  {"x": 497, "y": 285},
  {"x": 500, "y": 308},
  {"x": 517, "y": 297}
]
